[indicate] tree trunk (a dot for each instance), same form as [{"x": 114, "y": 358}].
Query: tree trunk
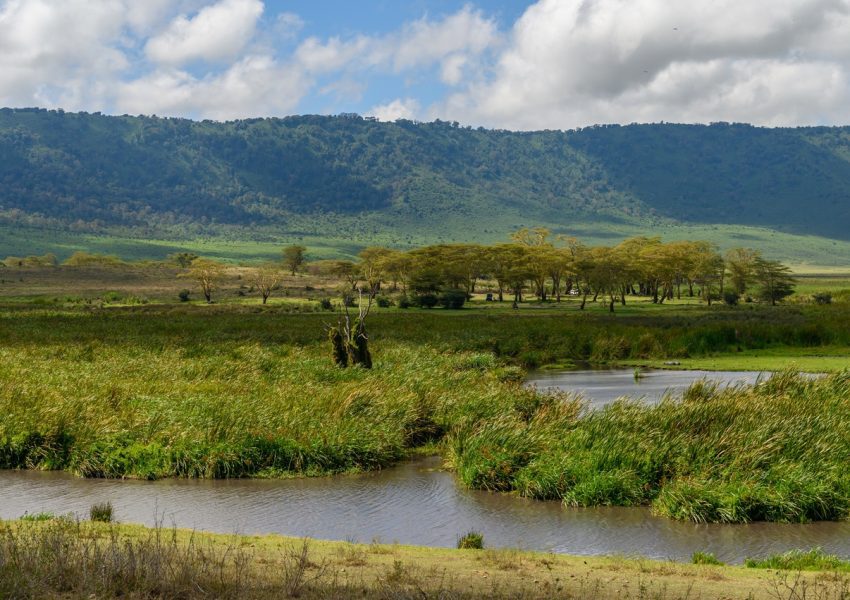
[{"x": 338, "y": 349}]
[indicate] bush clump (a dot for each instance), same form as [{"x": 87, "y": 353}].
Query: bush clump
[
  {"x": 471, "y": 541},
  {"x": 426, "y": 300},
  {"x": 800, "y": 560},
  {"x": 731, "y": 298},
  {"x": 102, "y": 512},
  {"x": 704, "y": 558},
  {"x": 452, "y": 298},
  {"x": 822, "y": 298}
]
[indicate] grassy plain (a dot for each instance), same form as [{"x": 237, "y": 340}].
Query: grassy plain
[
  {"x": 66, "y": 559},
  {"x": 341, "y": 236}
]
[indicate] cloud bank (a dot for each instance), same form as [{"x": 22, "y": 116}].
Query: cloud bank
[{"x": 562, "y": 64}]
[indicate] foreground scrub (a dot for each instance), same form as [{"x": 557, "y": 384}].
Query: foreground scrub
[{"x": 63, "y": 558}]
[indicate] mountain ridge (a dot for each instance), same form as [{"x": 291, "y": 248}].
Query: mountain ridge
[{"x": 96, "y": 173}]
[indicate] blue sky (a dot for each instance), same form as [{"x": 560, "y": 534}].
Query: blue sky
[
  {"x": 536, "y": 64},
  {"x": 329, "y": 18},
  {"x": 333, "y": 17}
]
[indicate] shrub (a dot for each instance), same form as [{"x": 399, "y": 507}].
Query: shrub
[
  {"x": 326, "y": 304},
  {"x": 704, "y": 558},
  {"x": 101, "y": 512},
  {"x": 404, "y": 302},
  {"x": 452, "y": 298},
  {"x": 471, "y": 541},
  {"x": 112, "y": 297},
  {"x": 647, "y": 346},
  {"x": 731, "y": 298},
  {"x": 38, "y": 517},
  {"x": 822, "y": 298},
  {"x": 800, "y": 560},
  {"x": 184, "y": 295},
  {"x": 383, "y": 302},
  {"x": 426, "y": 300}
]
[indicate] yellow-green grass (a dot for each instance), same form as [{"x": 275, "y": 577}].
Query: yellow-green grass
[
  {"x": 53, "y": 559},
  {"x": 826, "y": 359},
  {"x": 200, "y": 408}
]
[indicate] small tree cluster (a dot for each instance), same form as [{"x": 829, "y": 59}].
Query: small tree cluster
[{"x": 546, "y": 268}]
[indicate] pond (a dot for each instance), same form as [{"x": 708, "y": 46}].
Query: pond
[
  {"x": 602, "y": 386},
  {"x": 414, "y": 503}
]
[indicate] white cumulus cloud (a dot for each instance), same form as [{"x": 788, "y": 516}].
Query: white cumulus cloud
[
  {"x": 217, "y": 32},
  {"x": 256, "y": 85},
  {"x": 562, "y": 64},
  {"x": 407, "y": 108},
  {"x": 58, "y": 53},
  {"x": 577, "y": 62},
  {"x": 453, "y": 42}
]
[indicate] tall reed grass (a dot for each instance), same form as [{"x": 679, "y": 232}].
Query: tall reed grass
[{"x": 776, "y": 451}]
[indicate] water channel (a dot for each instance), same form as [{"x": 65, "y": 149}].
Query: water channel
[
  {"x": 414, "y": 503},
  {"x": 602, "y": 386}
]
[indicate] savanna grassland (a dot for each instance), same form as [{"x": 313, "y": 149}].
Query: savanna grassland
[{"x": 120, "y": 380}]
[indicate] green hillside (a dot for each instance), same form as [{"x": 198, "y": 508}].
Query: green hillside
[{"x": 337, "y": 183}]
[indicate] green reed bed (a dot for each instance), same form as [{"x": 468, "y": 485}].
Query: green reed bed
[
  {"x": 230, "y": 409},
  {"x": 777, "y": 451}
]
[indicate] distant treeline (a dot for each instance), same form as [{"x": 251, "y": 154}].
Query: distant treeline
[{"x": 534, "y": 263}]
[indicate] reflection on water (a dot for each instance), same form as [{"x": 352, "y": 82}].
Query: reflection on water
[
  {"x": 410, "y": 504},
  {"x": 603, "y": 386}
]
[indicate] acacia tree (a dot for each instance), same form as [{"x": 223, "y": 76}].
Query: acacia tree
[
  {"x": 346, "y": 270},
  {"x": 371, "y": 266},
  {"x": 207, "y": 273},
  {"x": 706, "y": 270},
  {"x": 775, "y": 280},
  {"x": 741, "y": 263},
  {"x": 265, "y": 279},
  {"x": 294, "y": 256},
  {"x": 183, "y": 259},
  {"x": 397, "y": 266}
]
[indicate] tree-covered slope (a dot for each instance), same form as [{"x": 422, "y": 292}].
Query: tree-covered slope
[
  {"x": 789, "y": 179},
  {"x": 96, "y": 171}
]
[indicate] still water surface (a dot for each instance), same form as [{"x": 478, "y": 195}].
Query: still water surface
[
  {"x": 413, "y": 503},
  {"x": 602, "y": 386}
]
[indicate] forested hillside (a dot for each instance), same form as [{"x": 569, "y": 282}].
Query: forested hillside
[{"x": 94, "y": 172}]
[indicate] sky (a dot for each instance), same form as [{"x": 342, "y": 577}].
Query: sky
[{"x": 510, "y": 64}]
